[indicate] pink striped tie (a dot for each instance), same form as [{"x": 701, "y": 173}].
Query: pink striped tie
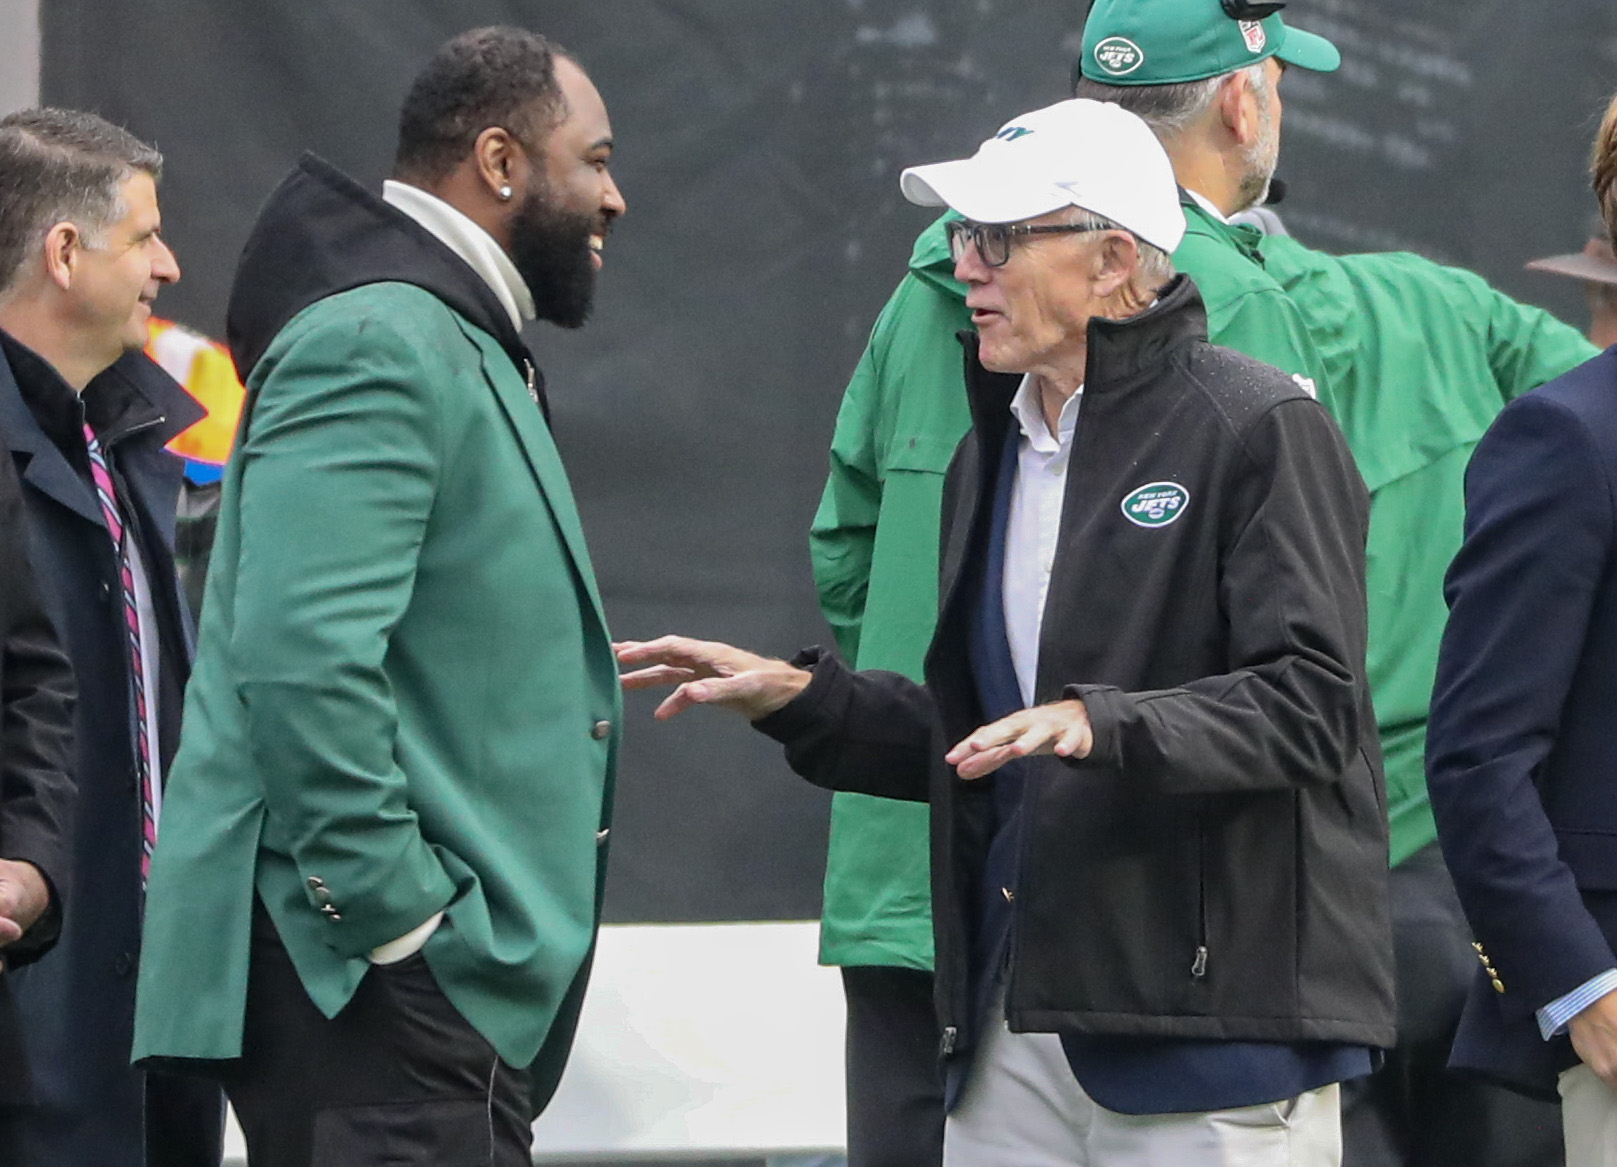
[{"x": 113, "y": 514}]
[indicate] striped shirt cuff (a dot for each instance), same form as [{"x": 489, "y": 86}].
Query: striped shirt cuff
[{"x": 1558, "y": 1014}]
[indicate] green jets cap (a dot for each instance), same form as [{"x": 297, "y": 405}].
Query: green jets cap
[{"x": 1166, "y": 42}]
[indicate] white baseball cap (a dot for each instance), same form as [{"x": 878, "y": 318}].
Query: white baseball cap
[{"x": 1077, "y": 153}]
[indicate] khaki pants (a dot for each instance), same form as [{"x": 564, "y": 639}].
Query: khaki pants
[
  {"x": 1588, "y": 1119},
  {"x": 1024, "y": 1108}
]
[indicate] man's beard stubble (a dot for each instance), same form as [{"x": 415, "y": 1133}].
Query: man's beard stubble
[
  {"x": 1260, "y": 159},
  {"x": 550, "y": 249}
]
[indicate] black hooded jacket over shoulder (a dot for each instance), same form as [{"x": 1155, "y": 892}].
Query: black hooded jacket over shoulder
[
  {"x": 321, "y": 233},
  {"x": 1216, "y": 867}
]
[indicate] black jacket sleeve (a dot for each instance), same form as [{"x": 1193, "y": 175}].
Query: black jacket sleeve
[
  {"x": 868, "y": 732},
  {"x": 36, "y": 711},
  {"x": 1289, "y": 711}
]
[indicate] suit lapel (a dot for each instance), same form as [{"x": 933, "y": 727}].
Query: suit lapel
[
  {"x": 539, "y": 448},
  {"x": 47, "y": 471}
]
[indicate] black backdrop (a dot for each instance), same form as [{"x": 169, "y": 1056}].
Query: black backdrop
[{"x": 758, "y": 148}]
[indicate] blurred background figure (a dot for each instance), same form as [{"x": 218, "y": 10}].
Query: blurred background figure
[
  {"x": 204, "y": 367},
  {"x": 1596, "y": 266}
]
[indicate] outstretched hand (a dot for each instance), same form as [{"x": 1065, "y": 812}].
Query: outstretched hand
[
  {"x": 1061, "y": 729},
  {"x": 706, "y": 672}
]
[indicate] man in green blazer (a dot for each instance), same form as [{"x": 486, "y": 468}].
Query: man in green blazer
[{"x": 372, "y": 911}]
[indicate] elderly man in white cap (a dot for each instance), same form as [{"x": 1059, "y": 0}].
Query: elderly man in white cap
[{"x": 1158, "y": 832}]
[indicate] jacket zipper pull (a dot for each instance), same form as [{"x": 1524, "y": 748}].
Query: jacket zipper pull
[
  {"x": 946, "y": 1045},
  {"x": 1198, "y": 967},
  {"x": 527, "y": 367}
]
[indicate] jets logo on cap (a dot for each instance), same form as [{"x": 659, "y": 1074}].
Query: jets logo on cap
[
  {"x": 1156, "y": 504},
  {"x": 1118, "y": 56},
  {"x": 1256, "y": 39},
  {"x": 1011, "y": 133}
]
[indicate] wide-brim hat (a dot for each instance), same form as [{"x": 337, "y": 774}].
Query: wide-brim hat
[{"x": 1595, "y": 264}]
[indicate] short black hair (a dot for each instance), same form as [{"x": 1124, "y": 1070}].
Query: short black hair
[
  {"x": 62, "y": 165},
  {"x": 495, "y": 76}
]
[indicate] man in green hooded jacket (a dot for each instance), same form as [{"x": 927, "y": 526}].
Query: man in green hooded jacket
[{"x": 1413, "y": 360}]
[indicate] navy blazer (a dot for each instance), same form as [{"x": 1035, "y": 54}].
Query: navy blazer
[{"x": 1522, "y": 745}]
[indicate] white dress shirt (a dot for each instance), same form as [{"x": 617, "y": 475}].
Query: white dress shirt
[
  {"x": 469, "y": 241},
  {"x": 1034, "y": 526}
]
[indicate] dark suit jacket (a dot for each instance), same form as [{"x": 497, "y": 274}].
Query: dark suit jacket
[
  {"x": 1522, "y": 746},
  {"x": 78, "y": 1008},
  {"x": 36, "y": 787}
]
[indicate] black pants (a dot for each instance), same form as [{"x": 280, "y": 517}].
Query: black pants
[
  {"x": 1414, "y": 1112},
  {"x": 398, "y": 1078},
  {"x": 895, "y": 1088}
]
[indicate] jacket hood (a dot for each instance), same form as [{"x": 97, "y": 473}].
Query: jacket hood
[
  {"x": 931, "y": 262},
  {"x": 321, "y": 233}
]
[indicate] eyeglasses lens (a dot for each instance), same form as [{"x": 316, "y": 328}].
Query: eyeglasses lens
[{"x": 992, "y": 241}]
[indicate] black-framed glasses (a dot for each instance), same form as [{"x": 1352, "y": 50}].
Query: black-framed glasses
[{"x": 993, "y": 240}]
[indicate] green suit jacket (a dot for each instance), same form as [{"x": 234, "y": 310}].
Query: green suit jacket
[{"x": 404, "y": 690}]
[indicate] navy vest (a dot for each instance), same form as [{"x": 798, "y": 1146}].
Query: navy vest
[{"x": 1130, "y": 1075}]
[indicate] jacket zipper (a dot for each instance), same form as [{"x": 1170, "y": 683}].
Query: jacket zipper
[{"x": 1198, "y": 966}]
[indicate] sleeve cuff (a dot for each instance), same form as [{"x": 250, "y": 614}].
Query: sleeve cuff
[
  {"x": 1554, "y": 1018},
  {"x": 798, "y": 714},
  {"x": 1102, "y": 705},
  {"x": 409, "y": 944}
]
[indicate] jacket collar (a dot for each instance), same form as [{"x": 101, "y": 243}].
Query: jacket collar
[
  {"x": 41, "y": 417},
  {"x": 321, "y": 233},
  {"x": 1240, "y": 236},
  {"x": 1120, "y": 351},
  {"x": 130, "y": 396}
]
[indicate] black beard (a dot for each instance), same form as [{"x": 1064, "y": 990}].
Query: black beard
[{"x": 550, "y": 249}]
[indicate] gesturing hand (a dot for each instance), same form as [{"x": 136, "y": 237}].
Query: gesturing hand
[
  {"x": 706, "y": 672},
  {"x": 1061, "y": 729},
  {"x": 1594, "y": 1037}
]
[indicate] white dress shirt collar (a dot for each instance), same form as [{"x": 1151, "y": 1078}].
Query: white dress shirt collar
[
  {"x": 1028, "y": 409},
  {"x": 1206, "y": 204},
  {"x": 467, "y": 240}
]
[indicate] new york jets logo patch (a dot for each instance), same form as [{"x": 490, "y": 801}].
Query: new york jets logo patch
[
  {"x": 1156, "y": 504},
  {"x": 1118, "y": 56}
]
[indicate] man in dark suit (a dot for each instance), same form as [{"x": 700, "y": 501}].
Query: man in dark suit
[
  {"x": 36, "y": 794},
  {"x": 1522, "y": 750},
  {"x": 85, "y": 417}
]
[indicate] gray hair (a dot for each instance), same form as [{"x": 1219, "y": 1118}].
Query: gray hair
[
  {"x": 62, "y": 165},
  {"x": 1169, "y": 109},
  {"x": 1156, "y": 266}
]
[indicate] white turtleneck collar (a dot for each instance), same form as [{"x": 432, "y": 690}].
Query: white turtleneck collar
[{"x": 467, "y": 240}]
